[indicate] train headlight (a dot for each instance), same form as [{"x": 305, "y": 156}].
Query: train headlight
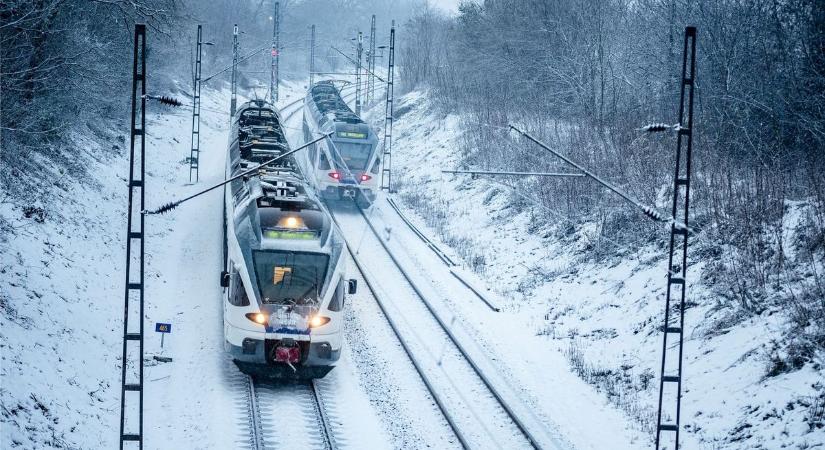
[
  {"x": 258, "y": 317},
  {"x": 317, "y": 321},
  {"x": 291, "y": 223}
]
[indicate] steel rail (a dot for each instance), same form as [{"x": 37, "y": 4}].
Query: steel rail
[
  {"x": 255, "y": 428},
  {"x": 451, "y": 265},
  {"x": 404, "y": 345},
  {"x": 321, "y": 415},
  {"x": 507, "y": 409}
]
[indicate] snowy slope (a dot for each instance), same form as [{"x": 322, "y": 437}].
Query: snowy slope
[
  {"x": 61, "y": 295},
  {"x": 563, "y": 316}
]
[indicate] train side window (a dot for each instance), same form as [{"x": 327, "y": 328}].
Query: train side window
[
  {"x": 237, "y": 293},
  {"x": 323, "y": 164},
  {"x": 337, "y": 302},
  {"x": 376, "y": 166}
]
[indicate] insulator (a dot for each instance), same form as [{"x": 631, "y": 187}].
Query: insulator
[
  {"x": 171, "y": 101},
  {"x": 163, "y": 209},
  {"x": 652, "y": 213},
  {"x": 656, "y": 127}
]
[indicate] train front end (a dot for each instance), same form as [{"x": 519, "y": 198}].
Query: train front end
[
  {"x": 353, "y": 172},
  {"x": 284, "y": 315}
]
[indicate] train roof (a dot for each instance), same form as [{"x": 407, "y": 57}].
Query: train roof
[
  {"x": 257, "y": 105},
  {"x": 279, "y": 190},
  {"x": 327, "y": 99}
]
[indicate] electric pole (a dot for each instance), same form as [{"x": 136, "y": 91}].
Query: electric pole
[
  {"x": 276, "y": 35},
  {"x": 386, "y": 171},
  {"x": 371, "y": 63},
  {"x": 358, "y": 51},
  {"x": 194, "y": 154},
  {"x": 234, "y": 102},
  {"x": 312, "y": 56},
  {"x": 131, "y": 382}
]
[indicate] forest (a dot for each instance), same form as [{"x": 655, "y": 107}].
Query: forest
[
  {"x": 548, "y": 277},
  {"x": 586, "y": 76}
]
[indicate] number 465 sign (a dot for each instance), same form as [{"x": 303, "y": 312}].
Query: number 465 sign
[{"x": 163, "y": 328}]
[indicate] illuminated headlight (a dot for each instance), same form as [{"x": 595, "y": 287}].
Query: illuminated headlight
[
  {"x": 317, "y": 321},
  {"x": 258, "y": 317}
]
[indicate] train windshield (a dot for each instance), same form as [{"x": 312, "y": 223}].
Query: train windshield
[
  {"x": 290, "y": 277},
  {"x": 356, "y": 156}
]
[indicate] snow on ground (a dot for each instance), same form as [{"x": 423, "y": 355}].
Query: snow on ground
[
  {"x": 61, "y": 298},
  {"x": 386, "y": 378},
  {"x": 61, "y": 295},
  {"x": 563, "y": 317}
]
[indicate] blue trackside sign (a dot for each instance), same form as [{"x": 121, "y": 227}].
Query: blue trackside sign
[{"x": 163, "y": 327}]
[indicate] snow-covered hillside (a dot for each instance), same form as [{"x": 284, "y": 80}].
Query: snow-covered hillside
[
  {"x": 604, "y": 318},
  {"x": 578, "y": 341},
  {"x": 61, "y": 298}
]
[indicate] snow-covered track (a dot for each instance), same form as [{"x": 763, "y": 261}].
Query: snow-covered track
[
  {"x": 255, "y": 431},
  {"x": 297, "y": 104},
  {"x": 396, "y": 331},
  {"x": 471, "y": 402},
  {"x": 288, "y": 415},
  {"x": 321, "y": 414},
  {"x": 451, "y": 265}
]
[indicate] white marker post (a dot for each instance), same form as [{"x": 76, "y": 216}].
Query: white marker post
[{"x": 163, "y": 329}]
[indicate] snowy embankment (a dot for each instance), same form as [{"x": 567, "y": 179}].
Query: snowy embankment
[
  {"x": 600, "y": 321},
  {"x": 62, "y": 295},
  {"x": 61, "y": 299}
]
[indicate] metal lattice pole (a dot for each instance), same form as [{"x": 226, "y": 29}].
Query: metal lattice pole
[
  {"x": 276, "y": 36},
  {"x": 133, "y": 291},
  {"x": 234, "y": 102},
  {"x": 312, "y": 56},
  {"x": 676, "y": 284},
  {"x": 194, "y": 154},
  {"x": 359, "y": 49},
  {"x": 371, "y": 63},
  {"x": 386, "y": 171}
]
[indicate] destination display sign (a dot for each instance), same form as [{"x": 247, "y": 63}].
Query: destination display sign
[
  {"x": 290, "y": 234},
  {"x": 352, "y": 135}
]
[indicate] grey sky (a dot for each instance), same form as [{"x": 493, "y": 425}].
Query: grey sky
[{"x": 450, "y": 6}]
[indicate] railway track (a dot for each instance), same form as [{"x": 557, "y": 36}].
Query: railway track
[
  {"x": 479, "y": 415},
  {"x": 482, "y": 410},
  {"x": 451, "y": 265},
  {"x": 290, "y": 415}
]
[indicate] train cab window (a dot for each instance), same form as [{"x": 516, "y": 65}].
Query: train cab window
[
  {"x": 286, "y": 277},
  {"x": 237, "y": 293},
  {"x": 337, "y": 302},
  {"x": 356, "y": 156},
  {"x": 323, "y": 163}
]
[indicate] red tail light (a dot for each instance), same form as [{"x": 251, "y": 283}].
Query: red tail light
[
  {"x": 365, "y": 177},
  {"x": 334, "y": 175}
]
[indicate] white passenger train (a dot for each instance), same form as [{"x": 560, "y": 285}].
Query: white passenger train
[
  {"x": 285, "y": 266},
  {"x": 348, "y": 164}
]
